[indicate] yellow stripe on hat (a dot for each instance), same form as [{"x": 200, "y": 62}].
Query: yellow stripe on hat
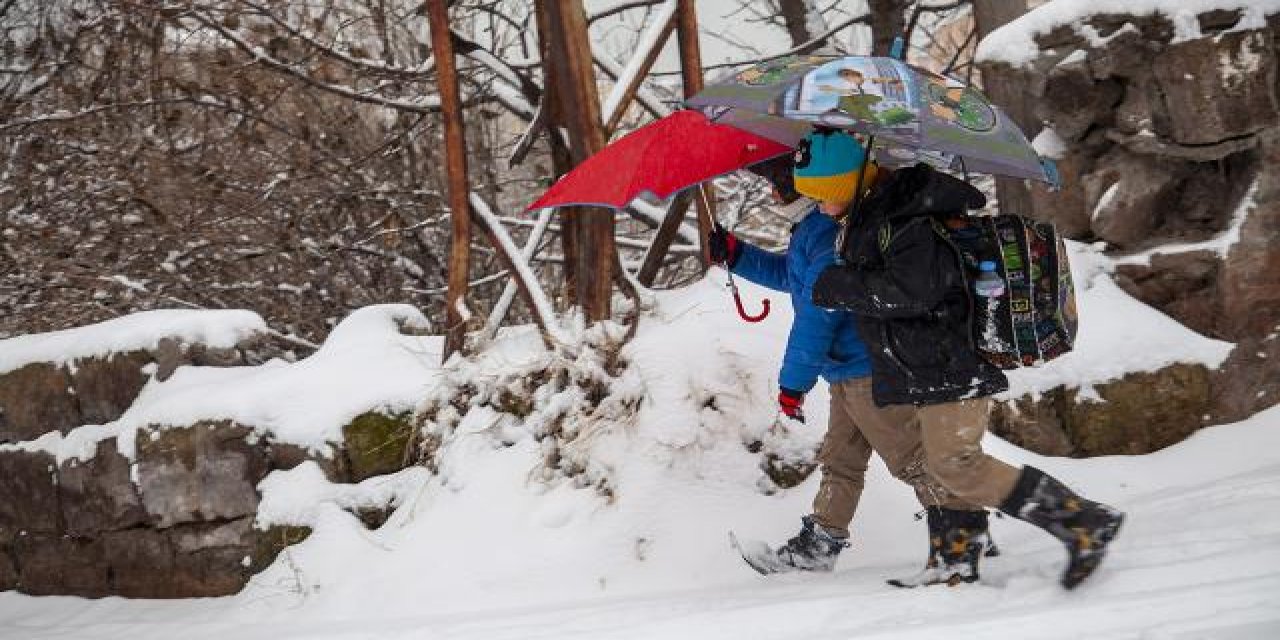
[{"x": 837, "y": 188}]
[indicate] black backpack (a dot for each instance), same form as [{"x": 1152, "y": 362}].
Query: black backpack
[{"x": 1035, "y": 319}]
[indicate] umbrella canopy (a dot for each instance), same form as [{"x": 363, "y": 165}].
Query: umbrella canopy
[
  {"x": 915, "y": 114},
  {"x": 660, "y": 158}
]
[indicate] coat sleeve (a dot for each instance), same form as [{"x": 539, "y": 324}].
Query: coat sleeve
[
  {"x": 764, "y": 268},
  {"x": 912, "y": 276},
  {"x": 813, "y": 332}
]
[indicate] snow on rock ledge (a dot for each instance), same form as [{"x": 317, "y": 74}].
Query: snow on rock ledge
[
  {"x": 219, "y": 329},
  {"x": 1017, "y": 43},
  {"x": 55, "y": 382}
]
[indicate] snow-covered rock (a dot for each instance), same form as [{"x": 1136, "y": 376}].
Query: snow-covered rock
[
  {"x": 157, "y": 495},
  {"x": 1168, "y": 119}
]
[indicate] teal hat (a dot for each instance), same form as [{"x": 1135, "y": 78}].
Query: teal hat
[{"x": 827, "y": 165}]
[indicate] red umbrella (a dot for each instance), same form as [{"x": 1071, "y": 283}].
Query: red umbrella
[{"x": 661, "y": 158}]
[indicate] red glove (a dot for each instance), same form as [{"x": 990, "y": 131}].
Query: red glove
[{"x": 791, "y": 403}]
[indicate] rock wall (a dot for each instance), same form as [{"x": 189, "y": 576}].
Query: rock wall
[
  {"x": 177, "y": 520},
  {"x": 1172, "y": 158}
]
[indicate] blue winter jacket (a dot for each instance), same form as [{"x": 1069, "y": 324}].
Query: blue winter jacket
[{"x": 823, "y": 342}]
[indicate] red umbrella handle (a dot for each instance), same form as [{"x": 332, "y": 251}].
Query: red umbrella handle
[
  {"x": 737, "y": 300},
  {"x": 742, "y": 311}
]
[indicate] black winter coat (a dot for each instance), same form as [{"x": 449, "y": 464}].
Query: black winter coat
[{"x": 908, "y": 287}]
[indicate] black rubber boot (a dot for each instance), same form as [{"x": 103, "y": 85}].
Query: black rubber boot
[
  {"x": 1084, "y": 527},
  {"x": 957, "y": 542},
  {"x": 813, "y": 549}
]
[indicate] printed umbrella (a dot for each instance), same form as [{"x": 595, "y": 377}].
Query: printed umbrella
[
  {"x": 660, "y": 158},
  {"x": 914, "y": 114}
]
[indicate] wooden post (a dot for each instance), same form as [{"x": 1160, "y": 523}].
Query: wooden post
[
  {"x": 561, "y": 161},
  {"x": 665, "y": 236},
  {"x": 691, "y": 76},
  {"x": 456, "y": 171},
  {"x": 587, "y": 232}
]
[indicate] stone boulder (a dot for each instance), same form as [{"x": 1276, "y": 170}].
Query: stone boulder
[
  {"x": 1173, "y": 149},
  {"x": 141, "y": 563},
  {"x": 1140, "y": 413},
  {"x": 44, "y": 397},
  {"x": 35, "y": 400},
  {"x": 1065, "y": 209},
  {"x": 1249, "y": 381},
  {"x": 1035, "y": 424},
  {"x": 1182, "y": 285},
  {"x": 8, "y": 571},
  {"x": 1249, "y": 280},
  {"x": 57, "y": 564},
  {"x": 376, "y": 443},
  {"x": 105, "y": 387},
  {"x": 212, "y": 558},
  {"x": 29, "y": 490},
  {"x": 1074, "y": 101},
  {"x": 1215, "y": 89},
  {"x": 98, "y": 495},
  {"x": 206, "y": 472},
  {"x": 1127, "y": 196}
]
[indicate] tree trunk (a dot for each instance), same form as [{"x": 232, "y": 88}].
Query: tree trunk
[
  {"x": 691, "y": 76},
  {"x": 1006, "y": 88},
  {"x": 456, "y": 168},
  {"x": 803, "y": 20},
  {"x": 587, "y": 232},
  {"x": 888, "y": 21}
]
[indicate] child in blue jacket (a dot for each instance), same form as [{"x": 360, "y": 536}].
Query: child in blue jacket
[{"x": 824, "y": 343}]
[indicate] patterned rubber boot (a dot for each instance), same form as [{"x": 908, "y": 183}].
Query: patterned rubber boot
[
  {"x": 957, "y": 542},
  {"x": 1084, "y": 527}
]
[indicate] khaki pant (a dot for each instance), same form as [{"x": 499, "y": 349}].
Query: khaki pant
[{"x": 937, "y": 449}]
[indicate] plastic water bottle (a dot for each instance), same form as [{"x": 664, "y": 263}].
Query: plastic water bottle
[{"x": 988, "y": 284}]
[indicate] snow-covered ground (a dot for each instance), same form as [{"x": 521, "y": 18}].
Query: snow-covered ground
[{"x": 487, "y": 549}]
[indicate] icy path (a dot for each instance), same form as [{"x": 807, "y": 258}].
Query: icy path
[{"x": 1197, "y": 559}]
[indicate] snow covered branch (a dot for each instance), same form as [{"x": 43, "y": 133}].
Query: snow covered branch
[{"x": 519, "y": 267}]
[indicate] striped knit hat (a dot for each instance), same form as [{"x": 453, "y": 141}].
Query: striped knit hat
[{"x": 827, "y": 165}]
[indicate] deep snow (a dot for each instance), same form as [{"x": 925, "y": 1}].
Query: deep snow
[{"x": 489, "y": 549}]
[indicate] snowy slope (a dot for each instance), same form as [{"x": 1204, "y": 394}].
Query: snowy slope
[{"x": 487, "y": 550}]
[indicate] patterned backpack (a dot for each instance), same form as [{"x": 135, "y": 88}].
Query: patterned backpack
[{"x": 1035, "y": 319}]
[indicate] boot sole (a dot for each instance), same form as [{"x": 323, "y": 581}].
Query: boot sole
[{"x": 954, "y": 580}]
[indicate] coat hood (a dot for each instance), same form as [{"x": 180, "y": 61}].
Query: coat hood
[{"x": 923, "y": 191}]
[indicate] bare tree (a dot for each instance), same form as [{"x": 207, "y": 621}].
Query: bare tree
[{"x": 286, "y": 156}]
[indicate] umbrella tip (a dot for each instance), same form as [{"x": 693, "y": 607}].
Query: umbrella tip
[
  {"x": 1051, "y": 174},
  {"x": 898, "y": 49}
]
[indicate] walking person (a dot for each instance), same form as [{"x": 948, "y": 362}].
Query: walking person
[
  {"x": 825, "y": 343},
  {"x": 906, "y": 285}
]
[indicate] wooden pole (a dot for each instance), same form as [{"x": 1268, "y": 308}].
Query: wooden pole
[
  {"x": 691, "y": 76},
  {"x": 664, "y": 237},
  {"x": 561, "y": 161},
  {"x": 588, "y": 232},
  {"x": 456, "y": 173}
]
